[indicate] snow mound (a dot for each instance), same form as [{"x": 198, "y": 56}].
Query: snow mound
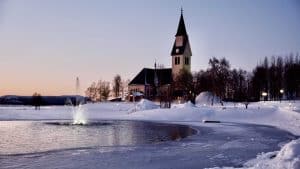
[
  {"x": 289, "y": 155},
  {"x": 188, "y": 104},
  {"x": 205, "y": 98},
  {"x": 144, "y": 104},
  {"x": 287, "y": 158}
]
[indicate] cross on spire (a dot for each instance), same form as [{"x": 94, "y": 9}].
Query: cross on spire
[{"x": 181, "y": 10}]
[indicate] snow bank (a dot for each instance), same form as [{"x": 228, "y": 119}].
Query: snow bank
[
  {"x": 287, "y": 158},
  {"x": 188, "y": 104},
  {"x": 290, "y": 151},
  {"x": 205, "y": 98},
  {"x": 176, "y": 113},
  {"x": 144, "y": 104}
]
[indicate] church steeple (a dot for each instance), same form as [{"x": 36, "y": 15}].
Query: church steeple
[
  {"x": 181, "y": 52},
  {"x": 181, "y": 31}
]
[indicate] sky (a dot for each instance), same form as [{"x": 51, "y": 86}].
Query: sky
[{"x": 45, "y": 45}]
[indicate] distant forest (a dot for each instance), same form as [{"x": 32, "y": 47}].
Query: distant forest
[{"x": 274, "y": 78}]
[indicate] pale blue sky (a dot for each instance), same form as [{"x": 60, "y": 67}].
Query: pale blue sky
[{"x": 45, "y": 44}]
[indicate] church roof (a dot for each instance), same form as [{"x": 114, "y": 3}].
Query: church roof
[
  {"x": 146, "y": 77},
  {"x": 181, "y": 31},
  {"x": 180, "y": 48}
]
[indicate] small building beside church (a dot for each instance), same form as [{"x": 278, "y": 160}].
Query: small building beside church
[{"x": 153, "y": 82}]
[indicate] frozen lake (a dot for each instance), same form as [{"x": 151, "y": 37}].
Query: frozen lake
[
  {"x": 133, "y": 144},
  {"x": 29, "y": 137}
]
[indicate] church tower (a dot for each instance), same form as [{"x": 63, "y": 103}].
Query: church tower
[{"x": 181, "y": 52}]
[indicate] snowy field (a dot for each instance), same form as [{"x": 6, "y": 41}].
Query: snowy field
[{"x": 284, "y": 116}]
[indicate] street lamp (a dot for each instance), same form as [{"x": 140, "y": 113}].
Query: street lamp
[
  {"x": 264, "y": 94},
  {"x": 194, "y": 89},
  {"x": 281, "y": 94}
]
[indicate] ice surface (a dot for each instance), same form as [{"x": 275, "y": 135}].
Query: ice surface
[
  {"x": 214, "y": 145},
  {"x": 29, "y": 137}
]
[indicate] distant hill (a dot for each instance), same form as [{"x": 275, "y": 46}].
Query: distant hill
[{"x": 46, "y": 100}]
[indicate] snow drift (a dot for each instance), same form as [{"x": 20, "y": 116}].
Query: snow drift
[
  {"x": 205, "y": 98},
  {"x": 289, "y": 155},
  {"x": 144, "y": 104},
  {"x": 287, "y": 158},
  {"x": 188, "y": 104}
]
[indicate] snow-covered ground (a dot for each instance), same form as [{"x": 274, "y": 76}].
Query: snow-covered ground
[{"x": 284, "y": 115}]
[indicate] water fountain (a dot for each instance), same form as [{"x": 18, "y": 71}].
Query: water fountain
[
  {"x": 78, "y": 115},
  {"x": 77, "y": 110}
]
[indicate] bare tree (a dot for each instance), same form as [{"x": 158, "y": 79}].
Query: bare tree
[
  {"x": 124, "y": 87},
  {"x": 219, "y": 71},
  {"x": 37, "y": 100},
  {"x": 105, "y": 90},
  {"x": 184, "y": 85},
  {"x": 91, "y": 92},
  {"x": 99, "y": 90},
  {"x": 117, "y": 85}
]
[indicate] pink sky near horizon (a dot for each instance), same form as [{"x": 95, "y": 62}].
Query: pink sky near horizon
[{"x": 45, "y": 45}]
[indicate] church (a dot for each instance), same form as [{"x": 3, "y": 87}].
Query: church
[{"x": 152, "y": 82}]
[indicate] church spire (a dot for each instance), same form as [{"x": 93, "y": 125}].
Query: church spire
[
  {"x": 181, "y": 52},
  {"x": 181, "y": 31}
]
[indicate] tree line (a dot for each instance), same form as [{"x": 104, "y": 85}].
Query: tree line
[
  {"x": 101, "y": 90},
  {"x": 275, "y": 77}
]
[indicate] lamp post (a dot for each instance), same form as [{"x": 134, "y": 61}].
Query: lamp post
[
  {"x": 194, "y": 89},
  {"x": 264, "y": 94},
  {"x": 281, "y": 94}
]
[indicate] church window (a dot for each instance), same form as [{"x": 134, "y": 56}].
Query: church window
[
  {"x": 177, "y": 60},
  {"x": 177, "y": 50},
  {"x": 186, "y": 60}
]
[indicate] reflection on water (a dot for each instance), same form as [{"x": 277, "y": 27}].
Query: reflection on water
[{"x": 19, "y": 137}]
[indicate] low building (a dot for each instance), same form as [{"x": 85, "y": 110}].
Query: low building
[{"x": 150, "y": 82}]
